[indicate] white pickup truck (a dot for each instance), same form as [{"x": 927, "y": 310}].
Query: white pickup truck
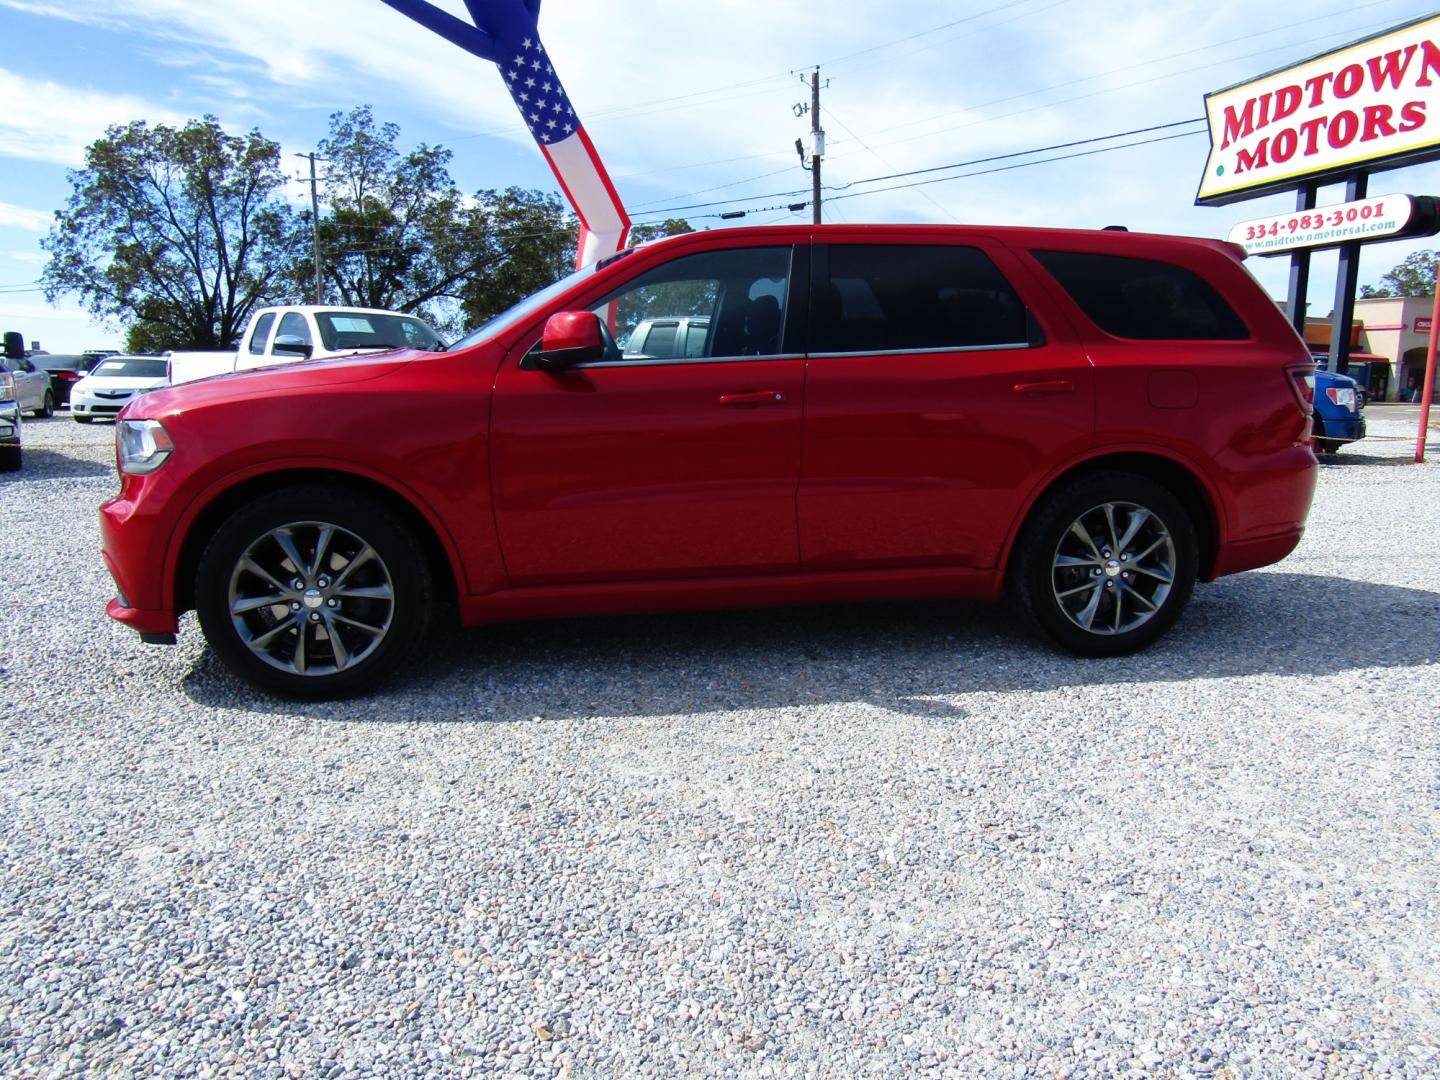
[{"x": 283, "y": 335}]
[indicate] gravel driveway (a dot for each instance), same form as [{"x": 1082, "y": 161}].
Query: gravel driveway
[{"x": 863, "y": 841}]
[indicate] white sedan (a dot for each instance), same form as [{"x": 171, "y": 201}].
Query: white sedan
[{"x": 113, "y": 382}]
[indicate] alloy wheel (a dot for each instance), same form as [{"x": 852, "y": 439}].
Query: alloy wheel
[
  {"x": 310, "y": 598},
  {"x": 1114, "y": 568}
]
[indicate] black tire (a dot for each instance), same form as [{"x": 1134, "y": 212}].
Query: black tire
[
  {"x": 83, "y": 419},
  {"x": 1057, "y": 583},
  {"x": 11, "y": 458},
  {"x": 47, "y": 407},
  {"x": 286, "y": 647}
]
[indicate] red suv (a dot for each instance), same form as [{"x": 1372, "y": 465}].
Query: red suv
[{"x": 1093, "y": 420}]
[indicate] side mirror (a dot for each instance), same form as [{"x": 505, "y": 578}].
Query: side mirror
[
  {"x": 292, "y": 346},
  {"x": 14, "y": 345},
  {"x": 571, "y": 337}
]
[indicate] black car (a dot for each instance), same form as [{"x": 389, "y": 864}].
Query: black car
[{"x": 66, "y": 369}]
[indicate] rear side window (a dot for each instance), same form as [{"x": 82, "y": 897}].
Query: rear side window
[
  {"x": 1144, "y": 299},
  {"x": 661, "y": 341},
  {"x": 262, "y": 333},
  {"x": 914, "y": 298}
]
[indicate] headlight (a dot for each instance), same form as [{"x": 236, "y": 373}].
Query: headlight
[
  {"x": 142, "y": 445},
  {"x": 7, "y": 384}
]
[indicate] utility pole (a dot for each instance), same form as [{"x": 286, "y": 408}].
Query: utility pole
[
  {"x": 315, "y": 229},
  {"x": 817, "y": 142}
]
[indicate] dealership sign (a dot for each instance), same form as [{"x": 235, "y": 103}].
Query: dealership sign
[
  {"x": 1373, "y": 103},
  {"x": 1388, "y": 217}
]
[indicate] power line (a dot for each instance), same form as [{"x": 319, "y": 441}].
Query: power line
[
  {"x": 1020, "y": 165},
  {"x": 1108, "y": 90},
  {"x": 981, "y": 172},
  {"x": 876, "y": 154},
  {"x": 942, "y": 168},
  {"x": 1027, "y": 153}
]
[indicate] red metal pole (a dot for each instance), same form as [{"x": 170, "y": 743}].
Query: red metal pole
[{"x": 1428, "y": 393}]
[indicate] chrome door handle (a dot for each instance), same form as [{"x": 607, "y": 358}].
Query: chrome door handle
[{"x": 753, "y": 398}]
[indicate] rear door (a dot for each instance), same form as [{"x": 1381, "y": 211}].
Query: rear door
[
  {"x": 682, "y": 462},
  {"x": 938, "y": 394}
]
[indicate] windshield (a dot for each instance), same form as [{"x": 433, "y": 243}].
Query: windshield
[
  {"x": 133, "y": 368},
  {"x": 367, "y": 330},
  {"x": 532, "y": 303}
]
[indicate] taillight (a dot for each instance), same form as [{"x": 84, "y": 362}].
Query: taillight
[
  {"x": 1341, "y": 396},
  {"x": 1302, "y": 382},
  {"x": 68, "y": 376}
]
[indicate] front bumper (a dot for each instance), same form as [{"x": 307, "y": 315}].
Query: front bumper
[
  {"x": 149, "y": 624},
  {"x": 99, "y": 405},
  {"x": 1342, "y": 430},
  {"x": 10, "y": 423}
]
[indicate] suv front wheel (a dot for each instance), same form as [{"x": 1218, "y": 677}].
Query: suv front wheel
[
  {"x": 313, "y": 593},
  {"x": 1106, "y": 563}
]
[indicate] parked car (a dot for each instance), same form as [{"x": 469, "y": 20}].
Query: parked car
[
  {"x": 65, "y": 370},
  {"x": 113, "y": 383},
  {"x": 284, "y": 335},
  {"x": 1085, "y": 422},
  {"x": 1339, "y": 409},
  {"x": 30, "y": 382},
  {"x": 11, "y": 452},
  {"x": 675, "y": 336}
]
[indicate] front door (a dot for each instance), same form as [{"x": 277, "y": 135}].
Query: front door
[
  {"x": 676, "y": 456},
  {"x": 935, "y": 401}
]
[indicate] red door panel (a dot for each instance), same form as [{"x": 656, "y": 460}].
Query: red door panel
[
  {"x": 925, "y": 459},
  {"x": 644, "y": 470}
]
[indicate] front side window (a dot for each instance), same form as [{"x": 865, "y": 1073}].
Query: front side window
[
  {"x": 293, "y": 330},
  {"x": 914, "y": 298},
  {"x": 1144, "y": 299},
  {"x": 711, "y": 305},
  {"x": 262, "y": 333}
]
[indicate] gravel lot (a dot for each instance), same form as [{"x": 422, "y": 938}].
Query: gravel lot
[{"x": 885, "y": 841}]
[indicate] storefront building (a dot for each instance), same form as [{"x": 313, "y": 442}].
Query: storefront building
[{"x": 1387, "y": 348}]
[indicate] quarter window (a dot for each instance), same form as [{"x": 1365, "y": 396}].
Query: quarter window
[
  {"x": 715, "y": 304},
  {"x": 1144, "y": 299},
  {"x": 915, "y": 298}
]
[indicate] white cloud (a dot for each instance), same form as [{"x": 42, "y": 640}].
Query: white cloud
[
  {"x": 22, "y": 217},
  {"x": 48, "y": 121}
]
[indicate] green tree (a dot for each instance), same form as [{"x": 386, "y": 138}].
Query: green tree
[
  {"x": 1413, "y": 276},
  {"x": 176, "y": 233},
  {"x": 639, "y": 234},
  {"x": 399, "y": 234}
]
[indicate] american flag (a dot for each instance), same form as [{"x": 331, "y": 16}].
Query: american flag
[
  {"x": 506, "y": 32},
  {"x": 538, "y": 95}
]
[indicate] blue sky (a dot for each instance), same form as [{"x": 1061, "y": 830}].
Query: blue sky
[{"x": 687, "y": 103}]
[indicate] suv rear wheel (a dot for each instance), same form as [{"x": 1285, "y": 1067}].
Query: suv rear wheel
[
  {"x": 1106, "y": 563},
  {"x": 313, "y": 593}
]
